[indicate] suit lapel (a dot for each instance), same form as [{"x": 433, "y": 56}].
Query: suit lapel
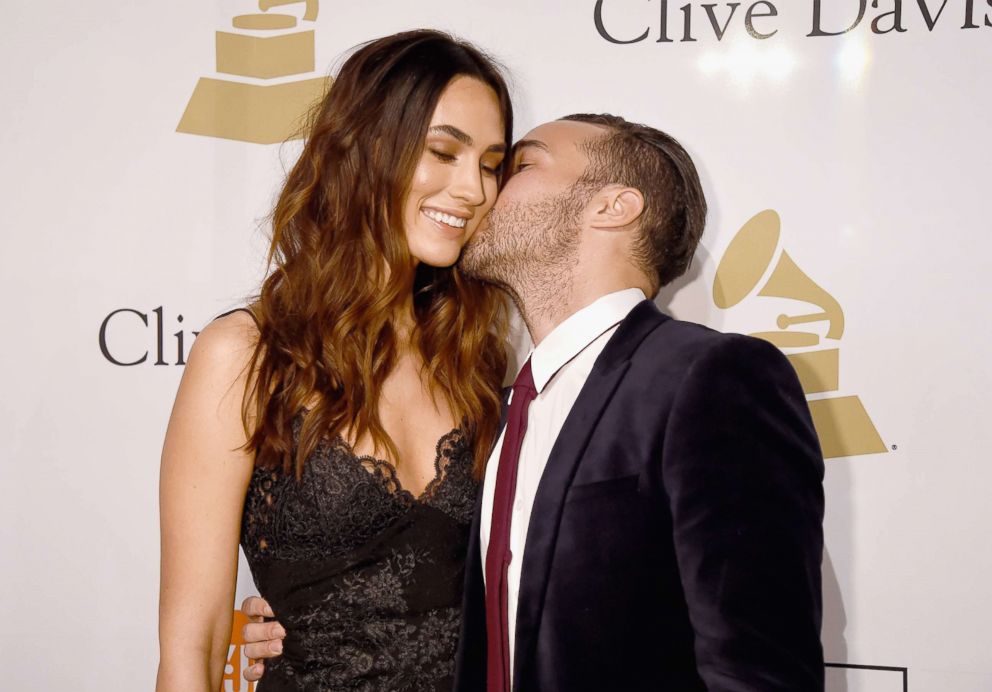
[{"x": 542, "y": 533}]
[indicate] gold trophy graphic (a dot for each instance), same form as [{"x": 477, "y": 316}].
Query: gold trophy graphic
[
  {"x": 264, "y": 47},
  {"x": 842, "y": 422}
]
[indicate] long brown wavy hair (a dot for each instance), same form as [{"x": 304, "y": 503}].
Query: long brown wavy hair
[{"x": 340, "y": 268}]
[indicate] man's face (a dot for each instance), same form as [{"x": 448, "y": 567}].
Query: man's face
[{"x": 537, "y": 216}]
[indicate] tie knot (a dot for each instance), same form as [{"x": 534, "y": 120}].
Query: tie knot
[{"x": 525, "y": 380}]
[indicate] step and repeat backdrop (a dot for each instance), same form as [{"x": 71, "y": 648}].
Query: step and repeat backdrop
[{"x": 845, "y": 150}]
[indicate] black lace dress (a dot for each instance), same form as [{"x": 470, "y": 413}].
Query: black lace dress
[{"x": 365, "y": 577}]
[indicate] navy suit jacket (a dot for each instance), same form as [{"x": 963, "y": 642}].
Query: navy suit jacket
[{"x": 676, "y": 537}]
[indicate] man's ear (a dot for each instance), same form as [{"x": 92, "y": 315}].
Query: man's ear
[{"x": 616, "y": 207}]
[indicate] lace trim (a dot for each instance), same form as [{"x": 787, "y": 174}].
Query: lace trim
[
  {"x": 386, "y": 471},
  {"x": 343, "y": 500}
]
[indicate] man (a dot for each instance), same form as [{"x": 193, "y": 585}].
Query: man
[{"x": 651, "y": 516}]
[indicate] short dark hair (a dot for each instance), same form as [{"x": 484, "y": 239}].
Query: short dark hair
[{"x": 653, "y": 162}]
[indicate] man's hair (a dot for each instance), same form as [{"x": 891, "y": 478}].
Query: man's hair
[{"x": 638, "y": 156}]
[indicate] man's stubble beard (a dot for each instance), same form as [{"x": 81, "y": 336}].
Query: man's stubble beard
[{"x": 530, "y": 249}]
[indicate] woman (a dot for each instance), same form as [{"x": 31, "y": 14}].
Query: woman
[{"x": 332, "y": 428}]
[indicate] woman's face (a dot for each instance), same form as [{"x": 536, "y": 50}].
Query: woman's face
[{"x": 455, "y": 182}]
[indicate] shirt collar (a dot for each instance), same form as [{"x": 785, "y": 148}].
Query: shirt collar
[{"x": 580, "y": 329}]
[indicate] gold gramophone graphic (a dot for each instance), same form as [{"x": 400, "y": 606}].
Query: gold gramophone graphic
[
  {"x": 267, "y": 46},
  {"x": 841, "y": 422}
]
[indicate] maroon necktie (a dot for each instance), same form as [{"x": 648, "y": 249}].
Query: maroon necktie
[{"x": 498, "y": 555}]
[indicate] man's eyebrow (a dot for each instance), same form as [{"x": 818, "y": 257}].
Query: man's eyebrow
[
  {"x": 462, "y": 137},
  {"x": 528, "y": 143}
]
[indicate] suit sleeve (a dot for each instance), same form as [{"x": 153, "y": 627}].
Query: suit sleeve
[{"x": 743, "y": 472}]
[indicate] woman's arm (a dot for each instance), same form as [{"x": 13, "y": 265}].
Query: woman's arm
[{"x": 205, "y": 474}]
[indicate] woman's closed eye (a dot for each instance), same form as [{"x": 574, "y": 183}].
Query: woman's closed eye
[
  {"x": 493, "y": 167},
  {"x": 443, "y": 156}
]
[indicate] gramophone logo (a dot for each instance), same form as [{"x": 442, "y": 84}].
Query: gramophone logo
[
  {"x": 265, "y": 47},
  {"x": 236, "y": 659},
  {"x": 753, "y": 260}
]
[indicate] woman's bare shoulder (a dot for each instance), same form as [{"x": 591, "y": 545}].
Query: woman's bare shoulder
[
  {"x": 232, "y": 336},
  {"x": 223, "y": 350}
]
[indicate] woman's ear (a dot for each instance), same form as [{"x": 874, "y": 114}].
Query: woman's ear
[{"x": 615, "y": 208}]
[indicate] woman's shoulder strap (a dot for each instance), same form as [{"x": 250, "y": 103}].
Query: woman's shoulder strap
[{"x": 231, "y": 312}]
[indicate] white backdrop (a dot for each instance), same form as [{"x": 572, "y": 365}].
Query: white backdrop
[{"x": 871, "y": 147}]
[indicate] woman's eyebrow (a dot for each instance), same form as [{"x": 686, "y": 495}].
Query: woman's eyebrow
[{"x": 462, "y": 137}]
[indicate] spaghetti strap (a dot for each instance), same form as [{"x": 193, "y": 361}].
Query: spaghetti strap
[{"x": 229, "y": 312}]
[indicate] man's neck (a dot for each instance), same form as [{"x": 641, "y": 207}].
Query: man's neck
[{"x": 543, "y": 309}]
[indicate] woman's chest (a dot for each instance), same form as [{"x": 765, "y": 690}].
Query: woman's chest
[{"x": 343, "y": 501}]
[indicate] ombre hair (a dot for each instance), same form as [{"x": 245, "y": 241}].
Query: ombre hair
[{"x": 340, "y": 267}]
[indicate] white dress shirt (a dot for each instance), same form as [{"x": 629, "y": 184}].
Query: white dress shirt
[{"x": 560, "y": 365}]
